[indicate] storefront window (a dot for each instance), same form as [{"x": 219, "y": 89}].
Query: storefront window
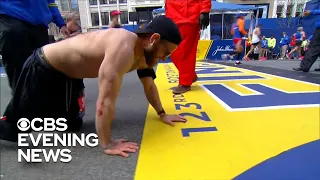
[
  {"x": 95, "y": 19},
  {"x": 124, "y": 17},
  {"x": 93, "y": 2}
]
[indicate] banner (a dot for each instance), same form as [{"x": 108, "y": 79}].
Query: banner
[
  {"x": 202, "y": 49},
  {"x": 220, "y": 47}
]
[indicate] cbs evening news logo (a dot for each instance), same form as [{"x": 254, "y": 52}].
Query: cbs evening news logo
[{"x": 48, "y": 138}]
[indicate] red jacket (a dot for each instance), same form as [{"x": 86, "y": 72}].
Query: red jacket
[
  {"x": 293, "y": 41},
  {"x": 186, "y": 11}
]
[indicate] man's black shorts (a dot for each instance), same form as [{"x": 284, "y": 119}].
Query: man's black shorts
[
  {"x": 255, "y": 44},
  {"x": 298, "y": 43},
  {"x": 43, "y": 92}
]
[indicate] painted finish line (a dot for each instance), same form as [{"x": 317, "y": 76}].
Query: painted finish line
[{"x": 237, "y": 119}]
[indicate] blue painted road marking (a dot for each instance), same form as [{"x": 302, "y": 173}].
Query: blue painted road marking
[
  {"x": 186, "y": 131},
  {"x": 269, "y": 97},
  {"x": 215, "y": 71},
  {"x": 250, "y": 77}
]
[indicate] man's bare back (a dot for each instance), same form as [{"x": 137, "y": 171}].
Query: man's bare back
[{"x": 82, "y": 56}]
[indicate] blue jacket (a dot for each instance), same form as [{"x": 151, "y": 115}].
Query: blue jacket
[
  {"x": 284, "y": 41},
  {"x": 35, "y": 12},
  {"x": 316, "y": 12},
  {"x": 264, "y": 43}
]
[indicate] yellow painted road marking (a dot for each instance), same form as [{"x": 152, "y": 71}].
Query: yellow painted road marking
[{"x": 238, "y": 138}]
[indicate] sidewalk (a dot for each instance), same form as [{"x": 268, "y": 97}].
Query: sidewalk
[{"x": 2, "y": 72}]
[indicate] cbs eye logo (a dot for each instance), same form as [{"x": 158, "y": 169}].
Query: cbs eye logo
[{"x": 23, "y": 124}]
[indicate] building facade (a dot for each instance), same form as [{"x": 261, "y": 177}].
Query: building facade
[
  {"x": 274, "y": 8},
  {"x": 95, "y": 14}
]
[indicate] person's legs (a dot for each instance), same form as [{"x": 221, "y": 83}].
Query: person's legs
[
  {"x": 312, "y": 54},
  {"x": 299, "y": 51},
  {"x": 283, "y": 51},
  {"x": 259, "y": 47},
  {"x": 15, "y": 47},
  {"x": 187, "y": 54},
  {"x": 26, "y": 99},
  {"x": 38, "y": 36},
  {"x": 270, "y": 53},
  {"x": 293, "y": 50},
  {"x": 263, "y": 53},
  {"x": 250, "y": 51},
  {"x": 238, "y": 49},
  {"x": 177, "y": 55},
  {"x": 77, "y": 106},
  {"x": 41, "y": 92},
  {"x": 260, "y": 51},
  {"x": 297, "y": 48}
]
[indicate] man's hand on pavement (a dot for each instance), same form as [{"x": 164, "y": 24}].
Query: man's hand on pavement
[
  {"x": 170, "y": 119},
  {"x": 121, "y": 147},
  {"x": 65, "y": 31}
]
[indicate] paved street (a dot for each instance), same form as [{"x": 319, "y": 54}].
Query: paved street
[
  {"x": 131, "y": 110},
  {"x": 87, "y": 163}
]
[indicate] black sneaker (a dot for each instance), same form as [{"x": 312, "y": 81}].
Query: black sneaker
[
  {"x": 8, "y": 131},
  {"x": 300, "y": 69}
]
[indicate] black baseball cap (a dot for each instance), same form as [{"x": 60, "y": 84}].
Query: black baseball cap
[{"x": 164, "y": 26}]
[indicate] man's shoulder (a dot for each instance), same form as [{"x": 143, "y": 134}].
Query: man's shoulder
[
  {"x": 122, "y": 33},
  {"x": 240, "y": 22}
]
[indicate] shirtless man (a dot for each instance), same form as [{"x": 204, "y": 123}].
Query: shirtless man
[{"x": 43, "y": 89}]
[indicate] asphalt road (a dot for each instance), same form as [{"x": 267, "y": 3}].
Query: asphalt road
[
  {"x": 91, "y": 163},
  {"x": 87, "y": 163}
]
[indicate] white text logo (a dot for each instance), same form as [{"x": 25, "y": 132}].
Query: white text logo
[
  {"x": 222, "y": 49},
  {"x": 55, "y": 145}
]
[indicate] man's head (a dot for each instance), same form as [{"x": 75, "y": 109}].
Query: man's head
[
  {"x": 160, "y": 38},
  {"x": 300, "y": 29},
  {"x": 284, "y": 34},
  {"x": 73, "y": 23},
  {"x": 263, "y": 37},
  {"x": 115, "y": 16},
  {"x": 271, "y": 36},
  {"x": 240, "y": 16},
  {"x": 259, "y": 26}
]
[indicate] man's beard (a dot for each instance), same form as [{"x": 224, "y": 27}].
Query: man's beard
[{"x": 150, "y": 60}]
